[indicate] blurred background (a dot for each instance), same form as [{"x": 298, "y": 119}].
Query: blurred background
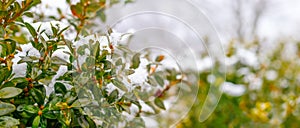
[{"x": 261, "y": 43}]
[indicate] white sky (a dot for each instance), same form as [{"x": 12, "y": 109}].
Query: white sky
[{"x": 282, "y": 17}]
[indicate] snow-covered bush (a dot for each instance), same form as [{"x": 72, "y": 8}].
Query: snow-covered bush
[{"x": 53, "y": 78}]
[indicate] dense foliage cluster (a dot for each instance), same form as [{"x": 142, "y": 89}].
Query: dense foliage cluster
[{"x": 94, "y": 90}]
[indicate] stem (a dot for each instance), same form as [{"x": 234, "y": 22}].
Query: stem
[
  {"x": 77, "y": 61},
  {"x": 18, "y": 14},
  {"x": 82, "y": 21}
]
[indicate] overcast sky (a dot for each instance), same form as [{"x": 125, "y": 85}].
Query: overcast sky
[{"x": 282, "y": 17}]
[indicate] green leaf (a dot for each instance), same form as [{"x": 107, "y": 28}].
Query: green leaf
[
  {"x": 9, "y": 64},
  {"x": 128, "y": 1},
  {"x": 61, "y": 105},
  {"x": 8, "y": 84},
  {"x": 112, "y": 2},
  {"x": 136, "y": 123},
  {"x": 159, "y": 79},
  {"x": 124, "y": 49},
  {"x": 129, "y": 72},
  {"x": 27, "y": 59},
  {"x": 159, "y": 103},
  {"x": 31, "y": 109},
  {"x": 3, "y": 77},
  {"x": 68, "y": 42},
  {"x": 90, "y": 61},
  {"x": 135, "y": 62},
  {"x": 17, "y": 6},
  {"x": 137, "y": 103},
  {"x": 82, "y": 102},
  {"x": 102, "y": 15},
  {"x": 171, "y": 74},
  {"x": 11, "y": 46},
  {"x": 119, "y": 62},
  {"x": 70, "y": 97},
  {"x": 61, "y": 31},
  {"x": 34, "y": 3},
  {"x": 53, "y": 102},
  {"x": 82, "y": 122},
  {"x": 185, "y": 87},
  {"x": 28, "y": 14},
  {"x": 19, "y": 80},
  {"x": 21, "y": 39},
  {"x": 152, "y": 81},
  {"x": 119, "y": 84},
  {"x": 5, "y": 73},
  {"x": 2, "y": 31},
  {"x": 126, "y": 108},
  {"x": 76, "y": 10},
  {"x": 94, "y": 48},
  {"x": 9, "y": 92},
  {"x": 3, "y": 13},
  {"x": 113, "y": 96},
  {"x": 58, "y": 61},
  {"x": 90, "y": 121},
  {"x": 107, "y": 65},
  {"x": 31, "y": 29},
  {"x": 93, "y": 7},
  {"x": 6, "y": 108},
  {"x": 8, "y": 3},
  {"x": 36, "y": 122},
  {"x": 8, "y": 122},
  {"x": 37, "y": 95},
  {"x": 82, "y": 80},
  {"x": 65, "y": 119},
  {"x": 81, "y": 49},
  {"x": 20, "y": 108},
  {"x": 54, "y": 30},
  {"x": 60, "y": 88},
  {"x": 3, "y": 49},
  {"x": 49, "y": 115},
  {"x": 43, "y": 123}
]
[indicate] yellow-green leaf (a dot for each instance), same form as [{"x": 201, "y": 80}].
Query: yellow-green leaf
[
  {"x": 129, "y": 72},
  {"x": 135, "y": 61},
  {"x": 81, "y": 102},
  {"x": 9, "y": 92},
  {"x": 31, "y": 29},
  {"x": 6, "y": 108},
  {"x": 36, "y": 122},
  {"x": 3, "y": 14},
  {"x": 119, "y": 85},
  {"x": 8, "y": 122}
]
